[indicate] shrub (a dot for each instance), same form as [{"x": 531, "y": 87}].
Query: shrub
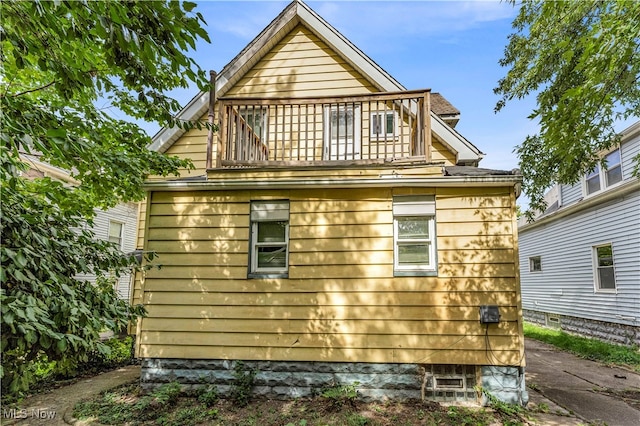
[{"x": 242, "y": 386}]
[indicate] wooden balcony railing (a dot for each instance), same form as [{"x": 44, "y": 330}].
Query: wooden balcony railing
[{"x": 310, "y": 131}]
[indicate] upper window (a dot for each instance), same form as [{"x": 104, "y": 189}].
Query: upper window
[
  {"x": 342, "y": 132},
  {"x": 605, "y": 277},
  {"x": 115, "y": 233},
  {"x": 256, "y": 119},
  {"x": 613, "y": 174},
  {"x": 535, "y": 264},
  {"x": 269, "y": 238},
  {"x": 599, "y": 179},
  {"x": 383, "y": 125},
  {"x": 414, "y": 234}
]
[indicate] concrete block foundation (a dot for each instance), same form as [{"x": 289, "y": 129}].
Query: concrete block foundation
[
  {"x": 620, "y": 334},
  {"x": 374, "y": 382}
]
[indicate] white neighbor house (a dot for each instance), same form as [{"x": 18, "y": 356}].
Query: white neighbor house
[
  {"x": 118, "y": 224},
  {"x": 580, "y": 260}
]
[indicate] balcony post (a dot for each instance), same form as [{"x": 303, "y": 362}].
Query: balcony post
[
  {"x": 223, "y": 132},
  {"x": 426, "y": 138},
  {"x": 211, "y": 119}
]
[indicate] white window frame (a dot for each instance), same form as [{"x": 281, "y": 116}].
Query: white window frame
[
  {"x": 612, "y": 167},
  {"x": 532, "y": 261},
  {"x": 254, "y": 111},
  {"x": 415, "y": 206},
  {"x": 602, "y": 175},
  {"x": 120, "y": 238},
  {"x": 596, "y": 267},
  {"x": 385, "y": 134},
  {"x": 263, "y": 212},
  {"x": 352, "y": 147}
]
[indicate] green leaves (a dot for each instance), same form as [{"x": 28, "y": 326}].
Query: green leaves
[
  {"x": 64, "y": 66},
  {"x": 582, "y": 60}
]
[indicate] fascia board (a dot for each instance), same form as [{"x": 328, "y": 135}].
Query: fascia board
[
  {"x": 456, "y": 182},
  {"x": 162, "y": 140},
  {"x": 52, "y": 171},
  {"x": 463, "y": 149},
  {"x": 630, "y": 132},
  {"x": 357, "y": 58},
  {"x": 626, "y": 188}
]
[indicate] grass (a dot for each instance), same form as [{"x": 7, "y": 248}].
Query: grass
[
  {"x": 128, "y": 405},
  {"x": 593, "y": 349}
]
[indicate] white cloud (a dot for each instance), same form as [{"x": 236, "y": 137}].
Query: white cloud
[{"x": 402, "y": 18}]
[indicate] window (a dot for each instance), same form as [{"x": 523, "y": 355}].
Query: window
[
  {"x": 256, "y": 118},
  {"x": 115, "y": 233},
  {"x": 593, "y": 181},
  {"x": 535, "y": 264},
  {"x": 605, "y": 277},
  {"x": 383, "y": 125},
  {"x": 269, "y": 238},
  {"x": 414, "y": 236},
  {"x": 599, "y": 179},
  {"x": 342, "y": 132},
  {"x": 613, "y": 174}
]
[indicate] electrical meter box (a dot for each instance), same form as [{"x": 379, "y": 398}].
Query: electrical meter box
[{"x": 489, "y": 314}]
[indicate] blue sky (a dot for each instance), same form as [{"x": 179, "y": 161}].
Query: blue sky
[{"x": 451, "y": 47}]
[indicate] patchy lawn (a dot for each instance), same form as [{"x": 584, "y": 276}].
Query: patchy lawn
[
  {"x": 126, "y": 405},
  {"x": 593, "y": 349}
]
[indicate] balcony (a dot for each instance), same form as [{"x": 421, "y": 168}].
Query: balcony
[{"x": 278, "y": 132}]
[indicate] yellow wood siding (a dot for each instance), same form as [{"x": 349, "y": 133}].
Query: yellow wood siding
[
  {"x": 341, "y": 301},
  {"x": 192, "y": 145},
  {"x": 301, "y": 65}
]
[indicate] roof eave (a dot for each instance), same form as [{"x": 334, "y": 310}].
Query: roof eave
[{"x": 306, "y": 183}]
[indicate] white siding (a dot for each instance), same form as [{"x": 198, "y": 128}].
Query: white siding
[
  {"x": 628, "y": 150},
  {"x": 571, "y": 193},
  {"x": 127, "y": 214},
  {"x": 566, "y": 283}
]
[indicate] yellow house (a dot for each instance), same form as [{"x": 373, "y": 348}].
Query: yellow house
[{"x": 337, "y": 229}]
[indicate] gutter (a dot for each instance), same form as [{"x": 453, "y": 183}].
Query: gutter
[
  {"x": 619, "y": 191},
  {"x": 382, "y": 181}
]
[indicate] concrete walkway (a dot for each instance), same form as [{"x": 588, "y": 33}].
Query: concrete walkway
[
  {"x": 593, "y": 392},
  {"x": 55, "y": 408}
]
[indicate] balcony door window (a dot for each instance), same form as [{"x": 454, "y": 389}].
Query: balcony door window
[{"x": 342, "y": 125}]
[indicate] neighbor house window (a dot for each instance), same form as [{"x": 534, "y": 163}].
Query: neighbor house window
[
  {"x": 613, "y": 174},
  {"x": 269, "y": 238},
  {"x": 115, "y": 233},
  {"x": 535, "y": 264},
  {"x": 599, "y": 179},
  {"x": 605, "y": 277},
  {"x": 414, "y": 234},
  {"x": 383, "y": 125}
]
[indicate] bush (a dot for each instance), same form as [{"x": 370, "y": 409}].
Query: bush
[{"x": 242, "y": 385}]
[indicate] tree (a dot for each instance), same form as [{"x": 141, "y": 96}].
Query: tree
[
  {"x": 583, "y": 60},
  {"x": 60, "y": 60}
]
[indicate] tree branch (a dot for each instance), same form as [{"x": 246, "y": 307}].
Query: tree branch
[{"x": 35, "y": 89}]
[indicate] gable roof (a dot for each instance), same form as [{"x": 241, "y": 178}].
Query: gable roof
[{"x": 296, "y": 13}]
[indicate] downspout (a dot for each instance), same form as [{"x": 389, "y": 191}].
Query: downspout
[{"x": 210, "y": 120}]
